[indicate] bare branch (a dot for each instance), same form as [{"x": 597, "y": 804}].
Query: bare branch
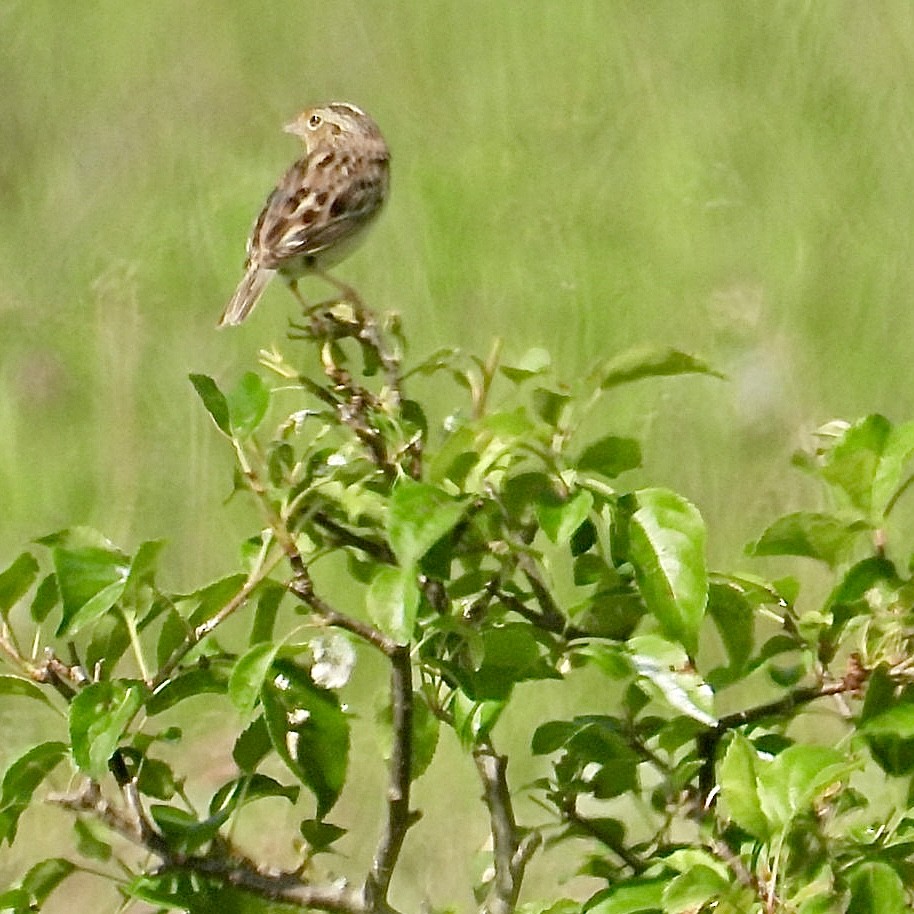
[
  {"x": 399, "y": 817},
  {"x": 510, "y": 853}
]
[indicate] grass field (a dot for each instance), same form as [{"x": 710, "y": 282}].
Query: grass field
[{"x": 732, "y": 178}]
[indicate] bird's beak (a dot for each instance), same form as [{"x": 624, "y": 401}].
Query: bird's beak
[{"x": 296, "y": 128}]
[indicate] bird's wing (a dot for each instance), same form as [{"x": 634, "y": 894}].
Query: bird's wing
[{"x": 306, "y": 214}]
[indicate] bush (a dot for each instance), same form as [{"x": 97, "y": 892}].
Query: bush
[{"x": 481, "y": 552}]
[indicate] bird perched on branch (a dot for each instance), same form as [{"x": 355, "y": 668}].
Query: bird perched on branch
[{"x": 321, "y": 206}]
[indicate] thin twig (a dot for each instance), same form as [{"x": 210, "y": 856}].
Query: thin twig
[
  {"x": 709, "y": 740},
  {"x": 582, "y": 823},
  {"x": 231, "y": 867},
  {"x": 303, "y": 587},
  {"x": 376, "y": 549},
  {"x": 196, "y": 635}
]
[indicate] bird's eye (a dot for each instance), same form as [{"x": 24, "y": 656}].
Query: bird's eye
[{"x": 314, "y": 121}]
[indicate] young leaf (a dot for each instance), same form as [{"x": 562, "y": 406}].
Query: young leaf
[
  {"x": 797, "y": 776},
  {"x": 739, "y": 787},
  {"x": 183, "y": 830},
  {"x": 16, "y": 580},
  {"x": 308, "y": 730},
  {"x": 247, "y": 404},
  {"x": 90, "y": 839},
  {"x": 214, "y": 401},
  {"x": 650, "y": 362},
  {"x": 854, "y": 461},
  {"x": 20, "y": 781},
  {"x": 252, "y": 746},
  {"x": 667, "y": 548},
  {"x": 99, "y": 717},
  {"x": 531, "y": 363}
]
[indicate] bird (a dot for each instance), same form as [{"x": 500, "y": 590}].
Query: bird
[{"x": 321, "y": 207}]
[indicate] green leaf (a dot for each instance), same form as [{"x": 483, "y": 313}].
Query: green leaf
[
  {"x": 90, "y": 839},
  {"x": 510, "y": 654},
  {"x": 667, "y": 548},
  {"x": 183, "y": 831},
  {"x": 692, "y": 890},
  {"x": 90, "y": 580},
  {"x": 16, "y": 685},
  {"x": 248, "y": 677},
  {"x": 271, "y": 595},
  {"x": 424, "y": 734},
  {"x": 252, "y": 746},
  {"x": 308, "y": 730},
  {"x": 629, "y": 897},
  {"x": 143, "y": 569},
  {"x": 797, "y": 776},
  {"x": 44, "y": 877},
  {"x": 667, "y": 667},
  {"x": 214, "y": 401},
  {"x": 320, "y": 835},
  {"x": 735, "y": 621},
  {"x": 610, "y": 456},
  {"x": 247, "y": 404},
  {"x": 16, "y": 580},
  {"x": 99, "y": 716},
  {"x": 876, "y": 888},
  {"x": 812, "y": 534},
  {"x": 213, "y": 677},
  {"x": 531, "y": 363},
  {"x": 560, "y": 518},
  {"x": 650, "y": 362},
  {"x": 249, "y": 788},
  {"x": 854, "y": 462},
  {"x": 46, "y": 598},
  {"x": 393, "y": 601},
  {"x": 548, "y": 405},
  {"x": 739, "y": 788},
  {"x": 417, "y": 517},
  {"x": 890, "y": 734},
  {"x": 21, "y": 780},
  {"x": 473, "y": 720}
]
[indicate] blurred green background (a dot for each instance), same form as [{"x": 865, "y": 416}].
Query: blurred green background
[{"x": 731, "y": 178}]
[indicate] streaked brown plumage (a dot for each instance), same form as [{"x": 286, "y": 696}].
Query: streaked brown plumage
[{"x": 321, "y": 207}]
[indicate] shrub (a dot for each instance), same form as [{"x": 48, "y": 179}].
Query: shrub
[{"x": 481, "y": 552}]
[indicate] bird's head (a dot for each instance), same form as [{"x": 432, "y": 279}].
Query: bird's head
[{"x": 331, "y": 125}]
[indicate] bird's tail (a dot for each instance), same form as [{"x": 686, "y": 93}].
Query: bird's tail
[{"x": 246, "y": 295}]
